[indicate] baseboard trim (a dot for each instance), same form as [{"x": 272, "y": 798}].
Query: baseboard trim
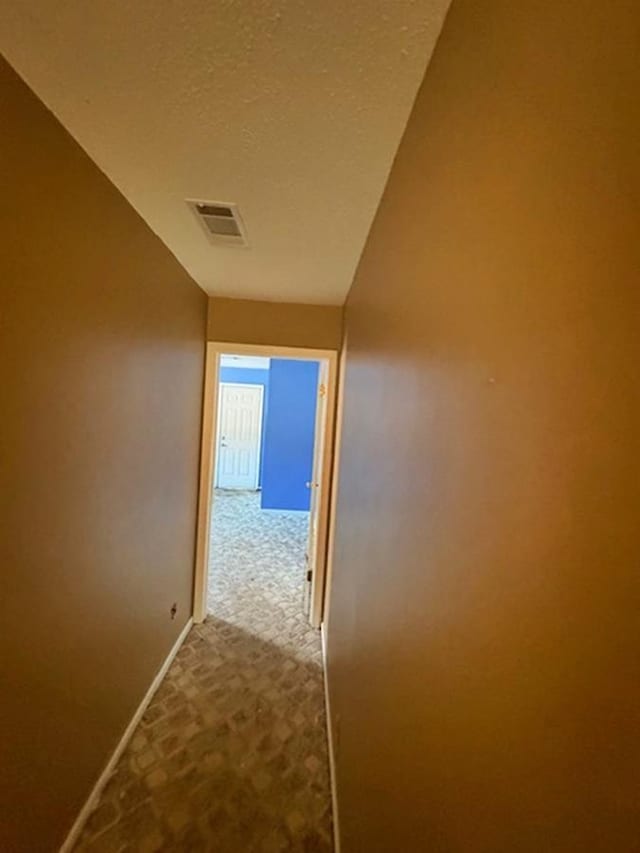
[
  {"x": 332, "y": 758},
  {"x": 94, "y": 796}
]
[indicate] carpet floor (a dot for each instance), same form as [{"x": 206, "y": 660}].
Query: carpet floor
[{"x": 231, "y": 754}]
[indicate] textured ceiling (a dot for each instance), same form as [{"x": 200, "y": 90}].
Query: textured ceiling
[{"x": 293, "y": 109}]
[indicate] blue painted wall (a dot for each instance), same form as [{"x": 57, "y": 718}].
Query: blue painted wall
[
  {"x": 289, "y": 434},
  {"x": 251, "y": 376}
]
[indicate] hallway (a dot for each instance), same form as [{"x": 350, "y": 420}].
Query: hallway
[{"x": 231, "y": 754}]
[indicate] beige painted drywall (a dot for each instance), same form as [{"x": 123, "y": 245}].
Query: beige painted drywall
[
  {"x": 243, "y": 321},
  {"x": 483, "y": 634},
  {"x": 101, "y": 369}
]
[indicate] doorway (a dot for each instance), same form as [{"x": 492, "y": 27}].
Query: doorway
[{"x": 265, "y": 472}]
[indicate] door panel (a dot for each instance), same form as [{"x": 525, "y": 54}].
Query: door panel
[
  {"x": 239, "y": 436},
  {"x": 315, "y": 485}
]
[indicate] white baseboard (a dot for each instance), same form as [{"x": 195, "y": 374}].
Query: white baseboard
[
  {"x": 94, "y": 796},
  {"x": 332, "y": 758}
]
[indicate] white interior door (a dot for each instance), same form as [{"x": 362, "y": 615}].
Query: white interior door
[
  {"x": 315, "y": 485},
  {"x": 239, "y": 436}
]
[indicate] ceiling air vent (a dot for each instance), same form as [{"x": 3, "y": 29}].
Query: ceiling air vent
[{"x": 221, "y": 222}]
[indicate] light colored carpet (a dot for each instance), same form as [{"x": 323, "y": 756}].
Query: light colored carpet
[{"x": 231, "y": 754}]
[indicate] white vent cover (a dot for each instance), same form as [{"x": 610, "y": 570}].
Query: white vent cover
[{"x": 221, "y": 222}]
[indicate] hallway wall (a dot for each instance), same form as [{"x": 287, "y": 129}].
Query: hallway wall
[
  {"x": 483, "y": 634},
  {"x": 283, "y": 324},
  {"x": 101, "y": 368}
]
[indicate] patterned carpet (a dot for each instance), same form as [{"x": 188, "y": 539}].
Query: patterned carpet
[{"x": 231, "y": 755}]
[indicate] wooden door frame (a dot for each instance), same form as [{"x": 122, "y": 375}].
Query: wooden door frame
[
  {"x": 218, "y": 426},
  {"x": 214, "y": 351}
]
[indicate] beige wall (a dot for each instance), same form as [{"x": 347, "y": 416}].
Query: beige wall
[
  {"x": 484, "y": 627},
  {"x": 101, "y": 368},
  {"x": 242, "y": 321}
]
